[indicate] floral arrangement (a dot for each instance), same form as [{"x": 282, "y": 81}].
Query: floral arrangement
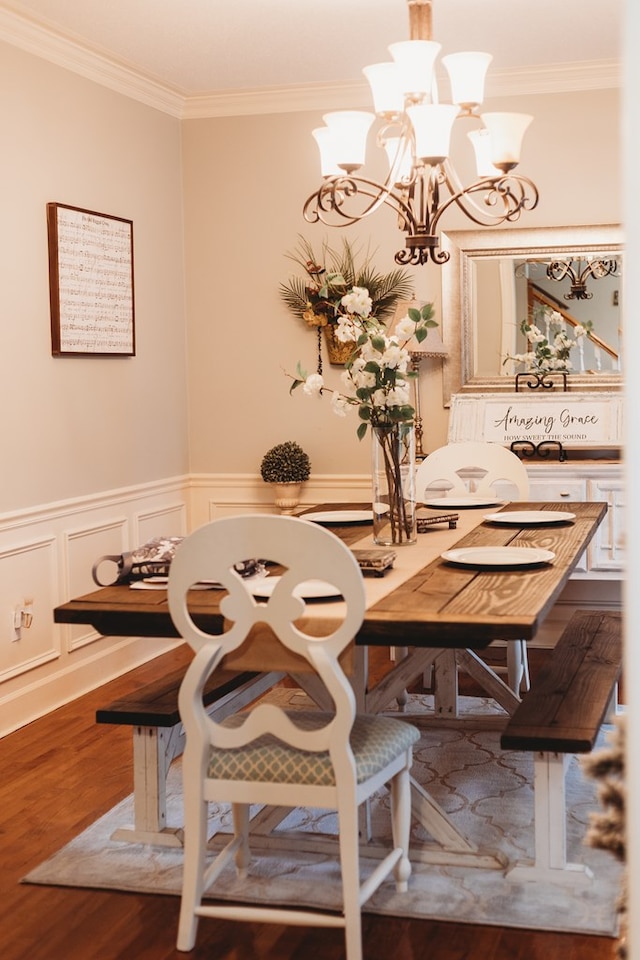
[
  {"x": 316, "y": 297},
  {"x": 285, "y": 463},
  {"x": 376, "y": 381},
  {"x": 377, "y": 376},
  {"x": 549, "y": 349}
]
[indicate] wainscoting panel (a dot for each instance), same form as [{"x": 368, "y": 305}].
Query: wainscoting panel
[
  {"x": 27, "y": 583},
  {"x": 81, "y": 548},
  {"x": 169, "y": 521},
  {"x": 46, "y": 554}
]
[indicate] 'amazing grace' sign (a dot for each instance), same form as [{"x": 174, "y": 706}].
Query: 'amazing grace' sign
[{"x": 572, "y": 419}]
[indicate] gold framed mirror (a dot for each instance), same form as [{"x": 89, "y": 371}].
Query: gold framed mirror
[{"x": 483, "y": 305}]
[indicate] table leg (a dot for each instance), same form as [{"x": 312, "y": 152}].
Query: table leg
[{"x": 446, "y": 684}]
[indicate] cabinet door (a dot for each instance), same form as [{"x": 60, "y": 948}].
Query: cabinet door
[{"x": 606, "y": 550}]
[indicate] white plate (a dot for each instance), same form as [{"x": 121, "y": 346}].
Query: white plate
[
  {"x": 308, "y": 590},
  {"x": 340, "y": 516},
  {"x": 462, "y": 503},
  {"x": 498, "y": 556},
  {"x": 160, "y": 583},
  {"x": 524, "y": 517}
]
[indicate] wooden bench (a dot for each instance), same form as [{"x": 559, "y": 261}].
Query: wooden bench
[
  {"x": 158, "y": 738},
  {"x": 561, "y": 715}
]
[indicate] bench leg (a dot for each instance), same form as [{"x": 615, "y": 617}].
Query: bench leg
[
  {"x": 153, "y": 750},
  {"x": 550, "y": 818}
]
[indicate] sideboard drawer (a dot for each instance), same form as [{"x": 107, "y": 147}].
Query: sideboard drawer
[{"x": 572, "y": 489}]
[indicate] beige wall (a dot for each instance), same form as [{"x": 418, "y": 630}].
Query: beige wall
[
  {"x": 245, "y": 180},
  {"x": 70, "y": 427}
]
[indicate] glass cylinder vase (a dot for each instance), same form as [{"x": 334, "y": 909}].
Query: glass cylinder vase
[{"x": 393, "y": 468}]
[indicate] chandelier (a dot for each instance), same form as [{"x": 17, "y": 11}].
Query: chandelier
[
  {"x": 578, "y": 275},
  {"x": 421, "y": 184}
]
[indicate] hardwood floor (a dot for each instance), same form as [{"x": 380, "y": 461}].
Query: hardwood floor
[{"x": 62, "y": 772}]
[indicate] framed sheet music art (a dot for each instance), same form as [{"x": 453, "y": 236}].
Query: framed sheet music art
[{"x": 90, "y": 283}]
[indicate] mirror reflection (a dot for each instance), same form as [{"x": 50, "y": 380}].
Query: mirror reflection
[
  {"x": 569, "y": 294},
  {"x": 566, "y": 279}
]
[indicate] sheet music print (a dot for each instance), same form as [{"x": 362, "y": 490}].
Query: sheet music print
[{"x": 95, "y": 283}]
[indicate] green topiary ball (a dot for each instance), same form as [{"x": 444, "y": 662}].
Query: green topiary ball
[{"x": 285, "y": 463}]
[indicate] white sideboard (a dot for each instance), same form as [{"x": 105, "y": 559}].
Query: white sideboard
[
  {"x": 581, "y": 480},
  {"x": 590, "y": 430}
]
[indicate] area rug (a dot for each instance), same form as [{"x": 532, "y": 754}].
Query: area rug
[{"x": 487, "y": 793}]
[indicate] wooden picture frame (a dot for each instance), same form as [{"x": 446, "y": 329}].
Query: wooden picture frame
[{"x": 90, "y": 283}]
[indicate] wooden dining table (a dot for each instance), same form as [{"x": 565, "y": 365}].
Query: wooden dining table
[{"x": 436, "y": 612}]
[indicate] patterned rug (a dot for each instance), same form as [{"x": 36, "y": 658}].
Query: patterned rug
[{"x": 487, "y": 793}]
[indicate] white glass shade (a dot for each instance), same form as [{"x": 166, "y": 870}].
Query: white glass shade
[
  {"x": 400, "y": 160},
  {"x": 415, "y": 59},
  {"x": 386, "y": 89},
  {"x": 481, "y": 140},
  {"x": 507, "y": 131},
  {"x": 327, "y": 147},
  {"x": 467, "y": 72},
  {"x": 432, "y": 125},
  {"x": 349, "y": 131}
]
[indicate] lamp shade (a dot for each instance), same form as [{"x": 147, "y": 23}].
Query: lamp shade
[
  {"x": 327, "y": 147},
  {"x": 386, "y": 88},
  {"x": 432, "y": 346},
  {"x": 481, "y": 141},
  {"x": 349, "y": 131},
  {"x": 467, "y": 72},
  {"x": 415, "y": 59},
  {"x": 506, "y": 131},
  {"x": 400, "y": 159},
  {"x": 432, "y": 123}
]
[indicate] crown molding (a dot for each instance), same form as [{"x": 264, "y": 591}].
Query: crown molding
[
  {"x": 94, "y": 65},
  {"x": 549, "y": 78},
  {"x": 81, "y": 59}
]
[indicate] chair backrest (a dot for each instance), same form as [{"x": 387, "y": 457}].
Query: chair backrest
[
  {"x": 267, "y": 635},
  {"x": 472, "y": 469}
]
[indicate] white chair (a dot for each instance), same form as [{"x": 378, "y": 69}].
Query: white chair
[
  {"x": 479, "y": 469},
  {"x": 262, "y": 756},
  {"x": 473, "y": 468}
]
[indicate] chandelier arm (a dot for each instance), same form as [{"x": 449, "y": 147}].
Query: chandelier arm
[
  {"x": 559, "y": 269},
  {"x": 598, "y": 269},
  {"x": 509, "y": 190},
  {"x": 335, "y": 191}
]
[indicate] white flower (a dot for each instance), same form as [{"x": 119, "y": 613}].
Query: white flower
[
  {"x": 339, "y": 404},
  {"x": 357, "y": 301},
  {"x": 398, "y": 396},
  {"x": 405, "y": 328},
  {"x": 532, "y": 333},
  {"x": 313, "y": 385},
  {"x": 347, "y": 329},
  {"x": 395, "y": 357},
  {"x": 579, "y": 331}
]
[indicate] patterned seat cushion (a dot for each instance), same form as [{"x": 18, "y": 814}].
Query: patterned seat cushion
[{"x": 375, "y": 741}]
